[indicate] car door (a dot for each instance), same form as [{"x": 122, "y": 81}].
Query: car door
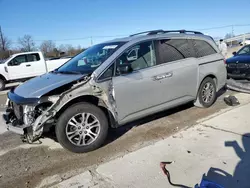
[
  {"x": 180, "y": 66},
  {"x": 37, "y": 64},
  {"x": 154, "y": 85},
  {"x": 19, "y": 67},
  {"x": 151, "y": 86}
]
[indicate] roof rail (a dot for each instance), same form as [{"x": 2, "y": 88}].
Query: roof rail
[
  {"x": 182, "y": 31},
  {"x": 152, "y": 32}
]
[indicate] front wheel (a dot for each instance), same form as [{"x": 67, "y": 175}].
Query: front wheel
[
  {"x": 207, "y": 93},
  {"x": 83, "y": 127}
]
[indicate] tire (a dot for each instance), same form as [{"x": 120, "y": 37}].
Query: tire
[
  {"x": 2, "y": 84},
  {"x": 200, "y": 101},
  {"x": 66, "y": 123}
]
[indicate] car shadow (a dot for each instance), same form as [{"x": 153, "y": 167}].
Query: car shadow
[
  {"x": 116, "y": 133},
  {"x": 221, "y": 92},
  {"x": 241, "y": 174},
  {"x": 218, "y": 178}
]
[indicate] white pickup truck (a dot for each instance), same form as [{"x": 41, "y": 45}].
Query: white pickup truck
[{"x": 22, "y": 66}]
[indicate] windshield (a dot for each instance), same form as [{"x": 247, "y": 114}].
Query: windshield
[
  {"x": 87, "y": 61},
  {"x": 244, "y": 51}
]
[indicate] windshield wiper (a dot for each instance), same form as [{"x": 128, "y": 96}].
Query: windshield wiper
[{"x": 66, "y": 72}]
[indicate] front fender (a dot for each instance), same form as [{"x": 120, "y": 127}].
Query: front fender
[{"x": 100, "y": 95}]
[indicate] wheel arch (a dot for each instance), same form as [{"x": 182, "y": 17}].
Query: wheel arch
[
  {"x": 208, "y": 76},
  {"x": 3, "y": 77},
  {"x": 92, "y": 100}
]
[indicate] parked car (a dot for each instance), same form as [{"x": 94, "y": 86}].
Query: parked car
[
  {"x": 246, "y": 42},
  {"x": 23, "y": 66},
  {"x": 238, "y": 66},
  {"x": 136, "y": 76}
]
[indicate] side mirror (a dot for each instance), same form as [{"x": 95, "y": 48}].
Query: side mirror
[
  {"x": 124, "y": 68},
  {"x": 234, "y": 53}
]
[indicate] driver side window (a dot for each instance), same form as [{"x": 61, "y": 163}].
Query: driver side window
[
  {"x": 138, "y": 57},
  {"x": 18, "y": 60}
]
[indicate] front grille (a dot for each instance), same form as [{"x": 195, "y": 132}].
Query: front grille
[
  {"x": 231, "y": 65},
  {"x": 238, "y": 65},
  {"x": 18, "y": 111},
  {"x": 242, "y": 65}
]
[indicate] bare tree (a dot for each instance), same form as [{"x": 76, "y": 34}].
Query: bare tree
[
  {"x": 26, "y": 43},
  {"x": 69, "y": 49},
  {"x": 47, "y": 47},
  {"x": 4, "y": 41},
  {"x": 62, "y": 48}
]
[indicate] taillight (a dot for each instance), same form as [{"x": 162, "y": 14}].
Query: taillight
[{"x": 6, "y": 69}]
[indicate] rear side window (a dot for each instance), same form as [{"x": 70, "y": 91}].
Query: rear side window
[
  {"x": 202, "y": 48},
  {"x": 173, "y": 50},
  {"x": 33, "y": 57}
]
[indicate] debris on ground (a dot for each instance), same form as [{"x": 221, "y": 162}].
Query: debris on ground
[
  {"x": 231, "y": 100},
  {"x": 26, "y": 169},
  {"x": 205, "y": 183},
  {"x": 188, "y": 151}
]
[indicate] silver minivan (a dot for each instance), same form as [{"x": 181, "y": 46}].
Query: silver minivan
[{"x": 116, "y": 82}]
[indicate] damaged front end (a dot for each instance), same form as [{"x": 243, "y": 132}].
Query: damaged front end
[
  {"x": 27, "y": 116},
  {"x": 30, "y": 117}
]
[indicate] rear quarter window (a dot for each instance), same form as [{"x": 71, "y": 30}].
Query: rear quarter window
[
  {"x": 174, "y": 49},
  {"x": 33, "y": 57},
  {"x": 202, "y": 48}
]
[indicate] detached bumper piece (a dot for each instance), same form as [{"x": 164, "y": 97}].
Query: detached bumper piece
[{"x": 234, "y": 85}]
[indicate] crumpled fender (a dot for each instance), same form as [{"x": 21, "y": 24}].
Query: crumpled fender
[{"x": 84, "y": 88}]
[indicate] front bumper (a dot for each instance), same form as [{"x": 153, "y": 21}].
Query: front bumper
[
  {"x": 14, "y": 114},
  {"x": 11, "y": 123},
  {"x": 238, "y": 76}
]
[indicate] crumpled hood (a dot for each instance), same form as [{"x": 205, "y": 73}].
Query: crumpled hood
[
  {"x": 38, "y": 86},
  {"x": 239, "y": 58}
]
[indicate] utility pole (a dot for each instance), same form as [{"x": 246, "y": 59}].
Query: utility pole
[
  {"x": 91, "y": 40},
  {"x": 232, "y": 35},
  {"x": 2, "y": 40}
]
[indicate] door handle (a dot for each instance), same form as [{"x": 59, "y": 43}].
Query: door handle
[
  {"x": 163, "y": 76},
  {"x": 28, "y": 65}
]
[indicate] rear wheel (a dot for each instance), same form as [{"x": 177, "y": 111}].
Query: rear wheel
[
  {"x": 82, "y": 128},
  {"x": 207, "y": 93}
]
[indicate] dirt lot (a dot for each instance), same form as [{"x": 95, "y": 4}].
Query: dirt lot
[{"x": 23, "y": 165}]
